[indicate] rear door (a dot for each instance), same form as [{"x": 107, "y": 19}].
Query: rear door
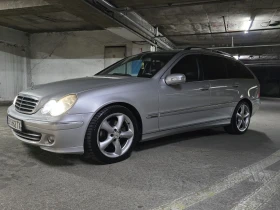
[
  {"x": 185, "y": 104},
  {"x": 243, "y": 80},
  {"x": 223, "y": 90}
]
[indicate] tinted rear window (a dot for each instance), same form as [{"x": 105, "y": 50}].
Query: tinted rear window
[
  {"x": 213, "y": 67},
  {"x": 238, "y": 70}
]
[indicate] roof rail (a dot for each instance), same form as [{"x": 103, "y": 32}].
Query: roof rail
[
  {"x": 211, "y": 50},
  {"x": 195, "y": 47},
  {"x": 221, "y": 52}
]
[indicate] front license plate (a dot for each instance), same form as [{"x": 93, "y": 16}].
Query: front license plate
[{"x": 15, "y": 124}]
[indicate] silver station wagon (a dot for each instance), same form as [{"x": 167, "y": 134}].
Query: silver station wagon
[{"x": 141, "y": 97}]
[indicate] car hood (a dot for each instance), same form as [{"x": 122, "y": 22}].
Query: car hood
[{"x": 58, "y": 89}]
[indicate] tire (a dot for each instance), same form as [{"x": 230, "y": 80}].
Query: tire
[
  {"x": 240, "y": 122},
  {"x": 111, "y": 135}
]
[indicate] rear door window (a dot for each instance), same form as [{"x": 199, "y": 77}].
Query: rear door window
[{"x": 214, "y": 67}]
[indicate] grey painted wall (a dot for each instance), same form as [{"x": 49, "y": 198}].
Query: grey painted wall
[
  {"x": 269, "y": 78},
  {"x": 67, "y": 55},
  {"x": 13, "y": 63},
  {"x": 48, "y": 57}
]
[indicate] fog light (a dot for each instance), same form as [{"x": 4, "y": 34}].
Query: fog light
[{"x": 50, "y": 139}]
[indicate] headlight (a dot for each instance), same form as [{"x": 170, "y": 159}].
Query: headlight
[
  {"x": 15, "y": 100},
  {"x": 48, "y": 107},
  {"x": 56, "y": 108}
]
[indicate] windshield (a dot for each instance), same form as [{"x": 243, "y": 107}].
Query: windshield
[{"x": 143, "y": 65}]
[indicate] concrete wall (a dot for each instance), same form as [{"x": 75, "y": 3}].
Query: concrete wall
[
  {"x": 13, "y": 63},
  {"x": 49, "y": 57},
  {"x": 60, "y": 56},
  {"x": 137, "y": 48}
]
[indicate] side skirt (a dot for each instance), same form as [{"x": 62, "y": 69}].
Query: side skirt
[{"x": 199, "y": 126}]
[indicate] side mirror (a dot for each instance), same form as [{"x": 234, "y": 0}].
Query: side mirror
[{"x": 175, "y": 79}]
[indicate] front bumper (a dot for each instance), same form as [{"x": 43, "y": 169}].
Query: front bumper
[{"x": 68, "y": 131}]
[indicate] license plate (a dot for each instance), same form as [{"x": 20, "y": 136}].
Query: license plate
[{"x": 15, "y": 124}]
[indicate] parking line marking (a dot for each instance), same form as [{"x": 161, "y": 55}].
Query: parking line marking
[
  {"x": 231, "y": 180},
  {"x": 261, "y": 196}
]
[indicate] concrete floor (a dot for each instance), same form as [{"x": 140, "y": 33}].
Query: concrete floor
[{"x": 207, "y": 169}]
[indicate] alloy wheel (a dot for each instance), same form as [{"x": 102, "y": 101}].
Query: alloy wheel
[
  {"x": 243, "y": 117},
  {"x": 115, "y": 135}
]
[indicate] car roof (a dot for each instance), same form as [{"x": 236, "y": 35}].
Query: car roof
[
  {"x": 162, "y": 52},
  {"x": 193, "y": 49}
]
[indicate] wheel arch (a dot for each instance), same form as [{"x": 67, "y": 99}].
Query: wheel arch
[
  {"x": 248, "y": 102},
  {"x": 134, "y": 111}
]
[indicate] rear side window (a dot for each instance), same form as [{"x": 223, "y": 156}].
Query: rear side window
[
  {"x": 213, "y": 67},
  {"x": 246, "y": 74},
  {"x": 238, "y": 71},
  {"x": 188, "y": 67}
]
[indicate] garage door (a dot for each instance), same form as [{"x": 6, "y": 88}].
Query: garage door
[{"x": 114, "y": 54}]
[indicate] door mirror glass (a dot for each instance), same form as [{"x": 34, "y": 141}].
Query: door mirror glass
[{"x": 175, "y": 79}]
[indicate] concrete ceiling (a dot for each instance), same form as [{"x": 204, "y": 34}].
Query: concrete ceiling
[
  {"x": 189, "y": 22},
  {"x": 209, "y": 23},
  {"x": 51, "y": 15}
]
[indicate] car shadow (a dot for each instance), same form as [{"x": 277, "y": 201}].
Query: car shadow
[
  {"x": 177, "y": 138},
  {"x": 215, "y": 139},
  {"x": 54, "y": 159}
]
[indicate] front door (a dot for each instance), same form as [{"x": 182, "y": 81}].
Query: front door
[{"x": 185, "y": 104}]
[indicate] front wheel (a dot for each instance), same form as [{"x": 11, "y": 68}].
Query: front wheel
[
  {"x": 111, "y": 135},
  {"x": 240, "y": 120}
]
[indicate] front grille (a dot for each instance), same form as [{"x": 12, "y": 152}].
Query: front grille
[
  {"x": 28, "y": 135},
  {"x": 26, "y": 104}
]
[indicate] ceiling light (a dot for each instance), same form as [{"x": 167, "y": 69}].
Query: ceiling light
[
  {"x": 236, "y": 57},
  {"x": 247, "y": 26}
]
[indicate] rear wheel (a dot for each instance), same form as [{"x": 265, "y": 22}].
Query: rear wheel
[
  {"x": 111, "y": 135},
  {"x": 240, "y": 120}
]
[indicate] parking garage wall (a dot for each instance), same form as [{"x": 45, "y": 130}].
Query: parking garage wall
[
  {"x": 13, "y": 63},
  {"x": 67, "y": 55},
  {"x": 269, "y": 78}
]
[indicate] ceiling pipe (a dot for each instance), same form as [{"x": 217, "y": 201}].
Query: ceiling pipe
[
  {"x": 269, "y": 62},
  {"x": 130, "y": 29},
  {"x": 249, "y": 46},
  {"x": 262, "y": 64},
  {"x": 224, "y": 19},
  {"x": 194, "y": 3},
  {"x": 252, "y": 19},
  {"x": 110, "y": 7},
  {"x": 216, "y": 33}
]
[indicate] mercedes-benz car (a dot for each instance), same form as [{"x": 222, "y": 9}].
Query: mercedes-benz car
[{"x": 142, "y": 97}]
